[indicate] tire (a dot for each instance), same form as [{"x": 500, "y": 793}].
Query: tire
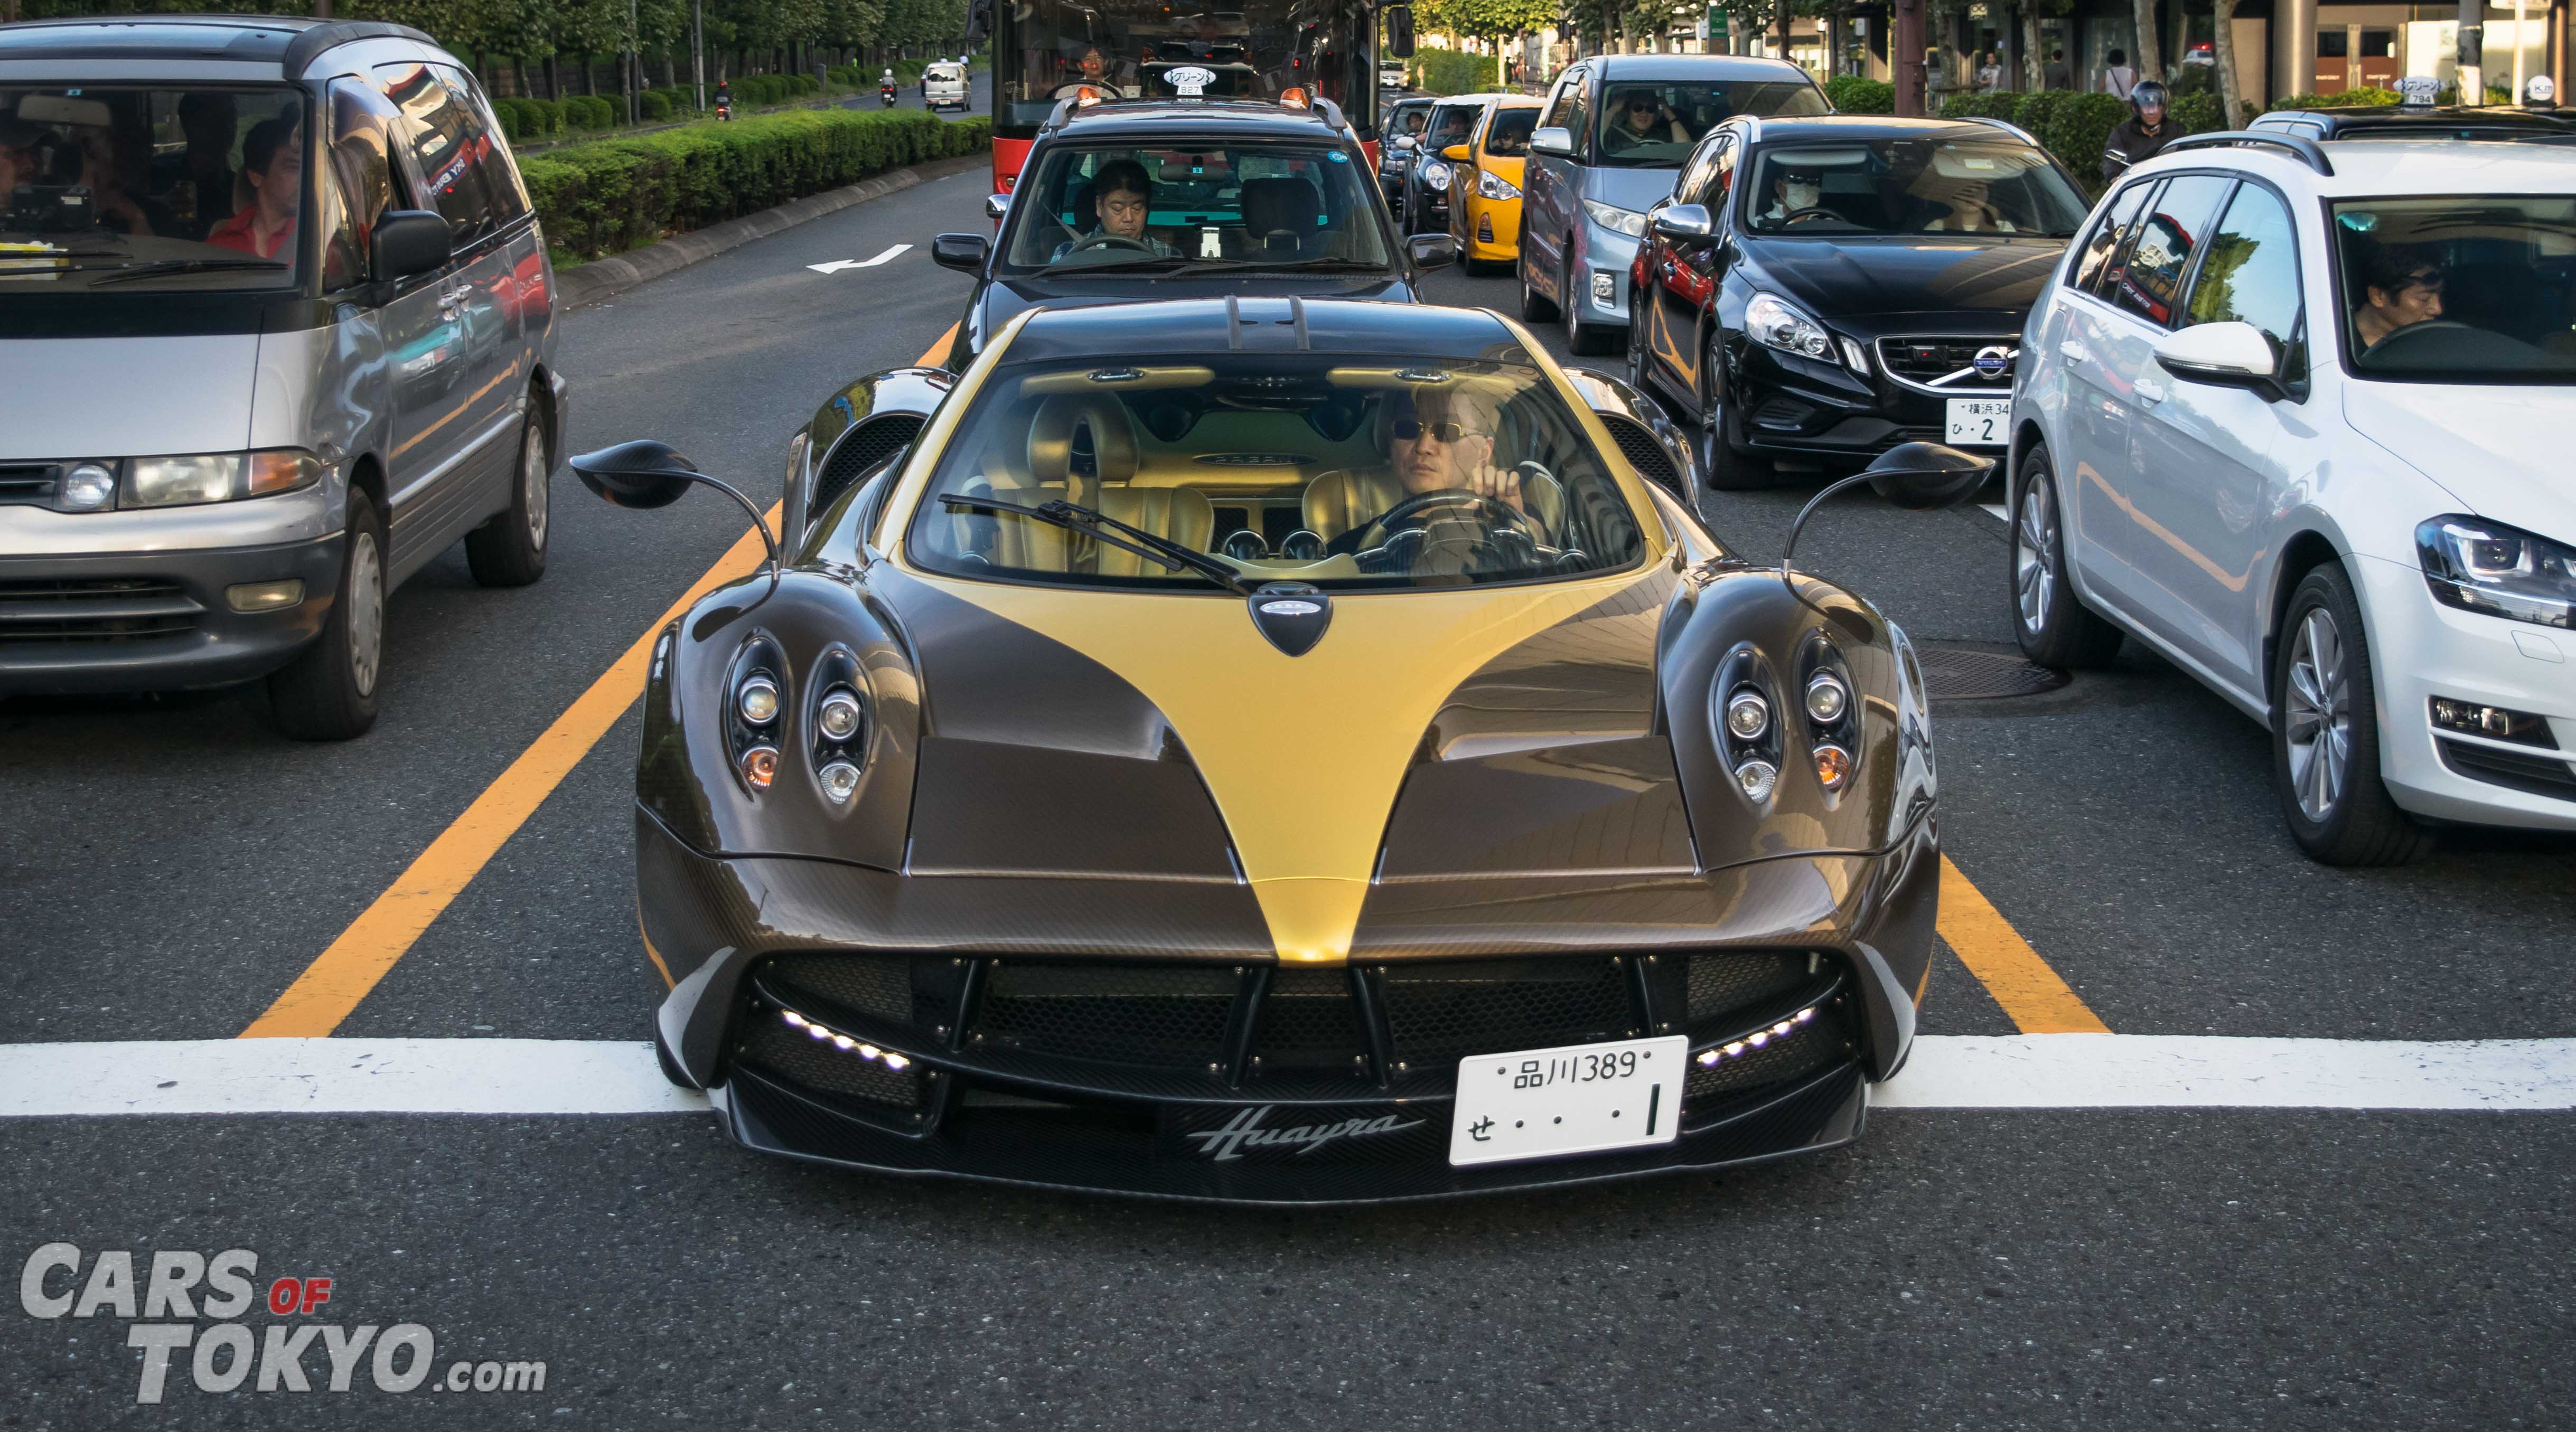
[
  {"x": 1729, "y": 468},
  {"x": 1637, "y": 356},
  {"x": 2053, "y": 626},
  {"x": 510, "y": 550},
  {"x": 328, "y": 692},
  {"x": 1535, "y": 307},
  {"x": 1580, "y": 337},
  {"x": 2325, "y": 732}
]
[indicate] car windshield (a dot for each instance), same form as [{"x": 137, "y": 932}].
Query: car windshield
[
  {"x": 1343, "y": 471},
  {"x": 1452, "y": 124},
  {"x": 1652, "y": 124},
  {"x": 1509, "y": 135},
  {"x": 1911, "y": 186},
  {"x": 2472, "y": 288},
  {"x": 196, "y": 188},
  {"x": 1180, "y": 203}
]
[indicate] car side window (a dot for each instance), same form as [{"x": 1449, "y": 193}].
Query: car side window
[
  {"x": 491, "y": 150},
  {"x": 360, "y": 176},
  {"x": 1695, "y": 173},
  {"x": 439, "y": 131},
  {"x": 2107, "y": 233},
  {"x": 1721, "y": 180},
  {"x": 1560, "y": 106},
  {"x": 2250, "y": 270},
  {"x": 1578, "y": 119},
  {"x": 2149, "y": 283}
]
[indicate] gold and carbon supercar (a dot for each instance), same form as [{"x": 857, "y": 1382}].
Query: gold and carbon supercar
[{"x": 1276, "y": 752}]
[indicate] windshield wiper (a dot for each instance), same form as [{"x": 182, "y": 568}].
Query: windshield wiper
[
  {"x": 1141, "y": 262},
  {"x": 1075, "y": 517},
  {"x": 1323, "y": 265},
  {"x": 126, "y": 273}
]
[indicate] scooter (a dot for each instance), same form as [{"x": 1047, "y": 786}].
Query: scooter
[
  {"x": 885, "y": 92},
  {"x": 724, "y": 107}
]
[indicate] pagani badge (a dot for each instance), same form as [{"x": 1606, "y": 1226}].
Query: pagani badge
[{"x": 1296, "y": 759}]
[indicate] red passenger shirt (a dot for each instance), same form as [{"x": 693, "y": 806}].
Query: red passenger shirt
[{"x": 239, "y": 232}]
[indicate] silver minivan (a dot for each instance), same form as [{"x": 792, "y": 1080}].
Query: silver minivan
[
  {"x": 276, "y": 328},
  {"x": 1609, "y": 143}
]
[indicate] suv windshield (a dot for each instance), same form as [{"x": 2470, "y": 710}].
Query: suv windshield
[
  {"x": 2474, "y": 288},
  {"x": 1342, "y": 471},
  {"x": 1911, "y": 186},
  {"x": 1180, "y": 203},
  {"x": 1652, "y": 124},
  {"x": 200, "y": 187}
]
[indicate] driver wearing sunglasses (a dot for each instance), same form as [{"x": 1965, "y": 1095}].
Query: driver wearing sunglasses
[{"x": 1640, "y": 117}]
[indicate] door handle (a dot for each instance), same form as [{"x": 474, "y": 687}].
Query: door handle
[
  {"x": 2149, "y": 391},
  {"x": 2073, "y": 352}
]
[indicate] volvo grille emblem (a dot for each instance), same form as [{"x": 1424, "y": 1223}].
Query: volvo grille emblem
[
  {"x": 1292, "y": 614},
  {"x": 1993, "y": 362},
  {"x": 1225, "y": 1145}
]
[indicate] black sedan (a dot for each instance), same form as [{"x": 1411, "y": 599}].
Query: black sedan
[
  {"x": 1815, "y": 291},
  {"x": 1281, "y": 752},
  {"x": 1126, "y": 202}
]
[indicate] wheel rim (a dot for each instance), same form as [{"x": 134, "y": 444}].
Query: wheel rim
[
  {"x": 532, "y": 481},
  {"x": 2317, "y": 726},
  {"x": 1637, "y": 354},
  {"x": 2034, "y": 540},
  {"x": 1571, "y": 303},
  {"x": 366, "y": 612}
]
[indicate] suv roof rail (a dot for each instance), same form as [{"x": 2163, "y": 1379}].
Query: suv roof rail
[
  {"x": 304, "y": 49},
  {"x": 2306, "y": 149},
  {"x": 2015, "y": 130}
]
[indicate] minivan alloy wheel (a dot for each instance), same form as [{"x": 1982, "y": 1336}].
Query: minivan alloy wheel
[
  {"x": 366, "y": 611},
  {"x": 2318, "y": 711},
  {"x": 533, "y": 473}
]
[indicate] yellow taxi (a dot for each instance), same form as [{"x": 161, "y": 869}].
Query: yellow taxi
[{"x": 1485, "y": 184}]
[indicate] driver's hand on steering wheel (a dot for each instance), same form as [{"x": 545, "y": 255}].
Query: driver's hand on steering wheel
[{"x": 1502, "y": 484}]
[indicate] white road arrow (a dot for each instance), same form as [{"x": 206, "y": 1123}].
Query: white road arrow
[{"x": 836, "y": 265}]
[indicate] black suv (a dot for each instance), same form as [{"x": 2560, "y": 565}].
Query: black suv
[
  {"x": 1398, "y": 148},
  {"x": 1817, "y": 290},
  {"x": 1242, "y": 198}
]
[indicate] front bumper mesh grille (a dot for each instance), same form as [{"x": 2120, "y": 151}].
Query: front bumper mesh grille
[
  {"x": 1441, "y": 1013},
  {"x": 1160, "y": 1017}
]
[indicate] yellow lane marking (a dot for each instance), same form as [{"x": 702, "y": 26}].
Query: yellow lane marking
[
  {"x": 2031, "y": 993},
  {"x": 343, "y": 974}
]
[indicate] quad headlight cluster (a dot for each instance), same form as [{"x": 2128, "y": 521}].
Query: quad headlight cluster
[
  {"x": 1751, "y": 724},
  {"x": 106, "y": 484},
  {"x": 835, "y": 727}
]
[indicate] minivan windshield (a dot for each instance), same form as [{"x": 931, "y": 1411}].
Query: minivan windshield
[
  {"x": 2467, "y": 288},
  {"x": 1181, "y": 204},
  {"x": 196, "y": 187},
  {"x": 1341, "y": 470},
  {"x": 1911, "y": 186},
  {"x": 1653, "y": 124}
]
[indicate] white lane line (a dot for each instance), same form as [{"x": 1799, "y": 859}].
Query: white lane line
[
  {"x": 2132, "y": 1071},
  {"x": 339, "y": 1076},
  {"x": 1997, "y": 509},
  {"x": 569, "y": 1076},
  {"x": 836, "y": 265}
]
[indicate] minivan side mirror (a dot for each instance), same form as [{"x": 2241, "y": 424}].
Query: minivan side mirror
[
  {"x": 1552, "y": 139},
  {"x": 410, "y": 241},
  {"x": 1432, "y": 250},
  {"x": 1404, "y": 141},
  {"x": 2223, "y": 355},
  {"x": 966, "y": 253},
  {"x": 1682, "y": 223}
]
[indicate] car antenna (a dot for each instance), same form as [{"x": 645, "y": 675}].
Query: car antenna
[
  {"x": 1233, "y": 325},
  {"x": 1297, "y": 316}
]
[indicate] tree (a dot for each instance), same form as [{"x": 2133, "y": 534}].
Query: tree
[
  {"x": 2224, "y": 13},
  {"x": 2149, "y": 59}
]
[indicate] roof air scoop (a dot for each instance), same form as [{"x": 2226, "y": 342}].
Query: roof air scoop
[{"x": 1292, "y": 614}]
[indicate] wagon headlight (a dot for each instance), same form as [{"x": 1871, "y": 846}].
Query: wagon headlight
[
  {"x": 2502, "y": 571},
  {"x": 1775, "y": 324},
  {"x": 217, "y": 477},
  {"x": 1616, "y": 219},
  {"x": 1494, "y": 186}
]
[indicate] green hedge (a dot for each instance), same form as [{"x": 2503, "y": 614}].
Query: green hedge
[
  {"x": 1851, "y": 94},
  {"x": 1998, "y": 104},
  {"x": 614, "y": 194},
  {"x": 2079, "y": 130},
  {"x": 1449, "y": 72},
  {"x": 654, "y": 106},
  {"x": 2340, "y": 99}
]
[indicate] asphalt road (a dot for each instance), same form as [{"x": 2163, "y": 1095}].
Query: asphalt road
[{"x": 168, "y": 866}]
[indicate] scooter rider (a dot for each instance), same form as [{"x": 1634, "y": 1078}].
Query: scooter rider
[
  {"x": 2143, "y": 134},
  {"x": 885, "y": 86}
]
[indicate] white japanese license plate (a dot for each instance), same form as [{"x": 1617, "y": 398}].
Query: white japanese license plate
[
  {"x": 1979, "y": 422},
  {"x": 1579, "y": 1099}
]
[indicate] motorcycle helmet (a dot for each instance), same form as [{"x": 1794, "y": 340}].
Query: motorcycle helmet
[{"x": 2150, "y": 92}]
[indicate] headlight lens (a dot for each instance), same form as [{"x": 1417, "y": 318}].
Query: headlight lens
[
  {"x": 218, "y": 477},
  {"x": 1616, "y": 219},
  {"x": 838, "y": 715},
  {"x": 87, "y": 487},
  {"x": 2483, "y": 566},
  {"x": 1494, "y": 186},
  {"x": 1437, "y": 176},
  {"x": 1774, "y": 324}
]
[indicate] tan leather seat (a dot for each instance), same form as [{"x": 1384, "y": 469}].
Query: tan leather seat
[
  {"x": 1082, "y": 448},
  {"x": 1338, "y": 501}
]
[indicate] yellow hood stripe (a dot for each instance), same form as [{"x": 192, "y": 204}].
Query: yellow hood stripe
[{"x": 1304, "y": 755}]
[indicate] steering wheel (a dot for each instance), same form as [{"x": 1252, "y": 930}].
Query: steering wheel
[
  {"x": 1397, "y": 536},
  {"x": 1812, "y": 211},
  {"x": 2393, "y": 347},
  {"x": 1109, "y": 241}
]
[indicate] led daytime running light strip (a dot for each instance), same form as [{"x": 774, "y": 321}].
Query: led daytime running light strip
[
  {"x": 1738, "y": 1048},
  {"x": 845, "y": 1043}
]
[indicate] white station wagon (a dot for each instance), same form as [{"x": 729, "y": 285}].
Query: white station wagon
[{"x": 2302, "y": 418}]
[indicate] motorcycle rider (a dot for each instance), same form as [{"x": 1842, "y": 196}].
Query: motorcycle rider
[
  {"x": 2143, "y": 134},
  {"x": 885, "y": 85}
]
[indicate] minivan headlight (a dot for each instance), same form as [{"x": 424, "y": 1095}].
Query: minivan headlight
[
  {"x": 1616, "y": 219},
  {"x": 1774, "y": 324},
  {"x": 217, "y": 477},
  {"x": 2483, "y": 566}
]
